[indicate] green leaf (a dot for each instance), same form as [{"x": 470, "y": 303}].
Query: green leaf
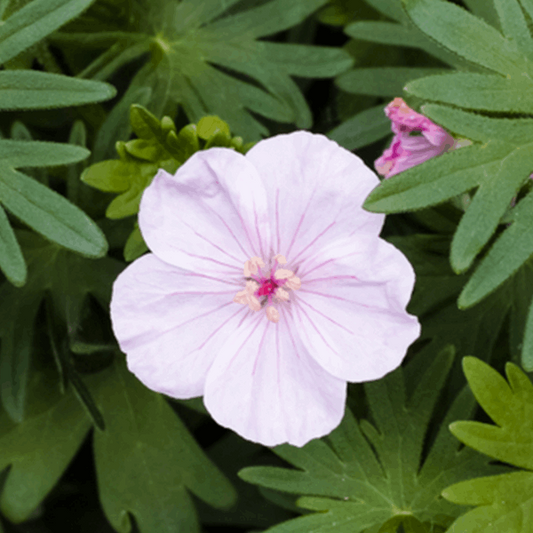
[
  {"x": 11, "y": 258},
  {"x": 50, "y": 214},
  {"x": 34, "y": 22},
  {"x": 39, "y": 154},
  {"x": 38, "y": 451},
  {"x": 438, "y": 179},
  {"x": 388, "y": 81},
  {"x": 527, "y": 350},
  {"x": 209, "y": 126},
  {"x": 466, "y": 35},
  {"x": 510, "y": 251},
  {"x": 514, "y": 24},
  {"x": 362, "y": 129},
  {"x": 390, "y": 8},
  {"x": 363, "y": 475},
  {"x": 510, "y": 405},
  {"x": 18, "y": 312},
  {"x": 135, "y": 245},
  {"x": 472, "y": 331},
  {"x": 385, "y": 33},
  {"x": 29, "y": 89},
  {"x": 479, "y": 127},
  {"x": 497, "y": 170},
  {"x": 492, "y": 199},
  {"x": 198, "y": 52},
  {"x": 476, "y": 91},
  {"x": 146, "y": 460},
  {"x": 484, "y": 10},
  {"x": 69, "y": 278},
  {"x": 502, "y": 501}
]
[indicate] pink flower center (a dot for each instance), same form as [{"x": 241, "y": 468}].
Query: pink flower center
[
  {"x": 273, "y": 285},
  {"x": 267, "y": 288}
]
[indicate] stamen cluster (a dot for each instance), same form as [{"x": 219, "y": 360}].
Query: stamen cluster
[{"x": 271, "y": 286}]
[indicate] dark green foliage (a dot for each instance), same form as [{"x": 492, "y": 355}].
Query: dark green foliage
[
  {"x": 187, "y": 39},
  {"x": 146, "y": 459},
  {"x": 216, "y": 70},
  {"x": 365, "y": 475}
]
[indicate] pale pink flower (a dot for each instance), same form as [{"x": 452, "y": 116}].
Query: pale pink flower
[
  {"x": 408, "y": 150},
  {"x": 267, "y": 289}
]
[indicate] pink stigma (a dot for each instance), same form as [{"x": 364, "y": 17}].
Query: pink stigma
[
  {"x": 274, "y": 286},
  {"x": 267, "y": 288}
]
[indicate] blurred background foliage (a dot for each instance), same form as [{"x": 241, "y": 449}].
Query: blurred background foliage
[{"x": 97, "y": 95}]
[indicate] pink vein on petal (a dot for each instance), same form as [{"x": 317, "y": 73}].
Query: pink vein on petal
[
  {"x": 314, "y": 268},
  {"x": 258, "y": 233},
  {"x": 213, "y": 261},
  {"x": 290, "y": 334},
  {"x": 213, "y": 244},
  {"x": 258, "y": 322},
  {"x": 239, "y": 310},
  {"x": 327, "y": 317},
  {"x": 300, "y": 223},
  {"x": 316, "y": 329},
  {"x": 247, "y": 234},
  {"x": 329, "y": 278},
  {"x": 260, "y": 348},
  {"x": 313, "y": 241},
  {"x": 231, "y": 231},
  {"x": 203, "y": 314},
  {"x": 277, "y": 220},
  {"x": 196, "y": 274}
]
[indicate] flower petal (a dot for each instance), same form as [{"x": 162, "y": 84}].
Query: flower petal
[
  {"x": 350, "y": 311},
  {"x": 265, "y": 386},
  {"x": 315, "y": 191},
  {"x": 170, "y": 323},
  {"x": 209, "y": 217}
]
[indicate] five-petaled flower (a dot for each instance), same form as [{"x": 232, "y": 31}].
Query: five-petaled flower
[
  {"x": 267, "y": 289},
  {"x": 416, "y": 139}
]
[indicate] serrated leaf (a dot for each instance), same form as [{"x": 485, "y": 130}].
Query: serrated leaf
[
  {"x": 509, "y": 405},
  {"x": 384, "y": 81},
  {"x": 466, "y": 35},
  {"x": 503, "y": 502},
  {"x": 34, "y": 22},
  {"x": 438, "y": 179},
  {"x": 146, "y": 460},
  {"x": 385, "y": 33},
  {"x": 484, "y": 10},
  {"x": 498, "y": 171},
  {"x": 475, "y": 330},
  {"x": 363, "y": 475},
  {"x": 29, "y": 89},
  {"x": 68, "y": 278},
  {"x": 513, "y": 24},
  {"x": 527, "y": 350},
  {"x": 186, "y": 55},
  {"x": 50, "y": 214},
  {"x": 476, "y": 91},
  {"x": 362, "y": 129},
  {"x": 479, "y": 127},
  {"x": 59, "y": 432},
  {"x": 510, "y": 251},
  {"x": 11, "y": 258},
  {"x": 491, "y": 200}
]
